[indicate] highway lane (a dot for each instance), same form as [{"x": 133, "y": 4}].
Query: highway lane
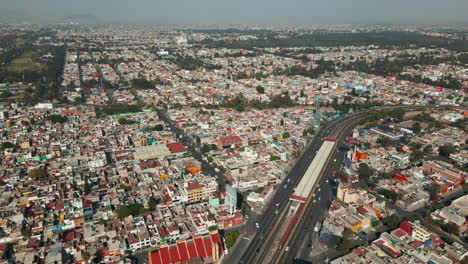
[
  {"x": 297, "y": 238},
  {"x": 281, "y": 199},
  {"x": 317, "y": 211}
]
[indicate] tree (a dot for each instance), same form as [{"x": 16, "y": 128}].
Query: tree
[
  {"x": 375, "y": 223},
  {"x": 6, "y": 145},
  {"x": 383, "y": 141},
  {"x": 390, "y": 194},
  {"x": 451, "y": 228},
  {"x": 5, "y": 94},
  {"x": 282, "y": 122},
  {"x": 273, "y": 158},
  {"x": 158, "y": 127},
  {"x": 124, "y": 121},
  {"x": 434, "y": 191},
  {"x": 445, "y": 151},
  {"x": 392, "y": 221},
  {"x": 427, "y": 149},
  {"x": 152, "y": 203},
  {"x": 78, "y": 100},
  {"x": 260, "y": 89},
  {"x": 231, "y": 238},
  {"x": 212, "y": 228},
  {"x": 365, "y": 171},
  {"x": 416, "y": 156},
  {"x": 205, "y": 148},
  {"x": 285, "y": 135},
  {"x": 57, "y": 118},
  {"x": 87, "y": 188},
  {"x": 416, "y": 127},
  {"x": 131, "y": 209}
]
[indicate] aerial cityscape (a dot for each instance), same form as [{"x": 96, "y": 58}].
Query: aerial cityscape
[{"x": 151, "y": 141}]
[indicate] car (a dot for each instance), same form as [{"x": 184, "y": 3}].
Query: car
[
  {"x": 277, "y": 204},
  {"x": 276, "y": 212},
  {"x": 257, "y": 225}
]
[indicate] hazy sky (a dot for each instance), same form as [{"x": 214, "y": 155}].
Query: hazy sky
[{"x": 248, "y": 11}]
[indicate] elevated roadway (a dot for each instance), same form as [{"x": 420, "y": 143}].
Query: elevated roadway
[{"x": 270, "y": 222}]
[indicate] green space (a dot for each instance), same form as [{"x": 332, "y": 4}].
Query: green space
[
  {"x": 231, "y": 238},
  {"x": 25, "y": 62}
]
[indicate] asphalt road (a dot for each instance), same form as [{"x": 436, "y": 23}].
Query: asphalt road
[
  {"x": 316, "y": 211},
  {"x": 299, "y": 244},
  {"x": 191, "y": 148},
  {"x": 281, "y": 199}
]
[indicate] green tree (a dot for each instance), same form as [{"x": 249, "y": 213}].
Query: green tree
[
  {"x": 231, "y": 238},
  {"x": 205, "y": 148},
  {"x": 57, "y": 118},
  {"x": 273, "y": 158},
  {"x": 131, "y": 209},
  {"x": 6, "y": 145},
  {"x": 451, "y": 228},
  {"x": 158, "y": 127},
  {"x": 365, "y": 171},
  {"x": 434, "y": 191},
  {"x": 152, "y": 203},
  {"x": 416, "y": 127},
  {"x": 392, "y": 221},
  {"x": 285, "y": 135},
  {"x": 87, "y": 188},
  {"x": 124, "y": 121},
  {"x": 260, "y": 89},
  {"x": 375, "y": 223},
  {"x": 427, "y": 149},
  {"x": 445, "y": 151},
  {"x": 416, "y": 156}
]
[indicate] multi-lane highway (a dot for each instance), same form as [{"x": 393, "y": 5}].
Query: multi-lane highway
[
  {"x": 255, "y": 249},
  {"x": 259, "y": 243}
]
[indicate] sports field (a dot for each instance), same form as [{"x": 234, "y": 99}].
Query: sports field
[{"x": 24, "y": 62}]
